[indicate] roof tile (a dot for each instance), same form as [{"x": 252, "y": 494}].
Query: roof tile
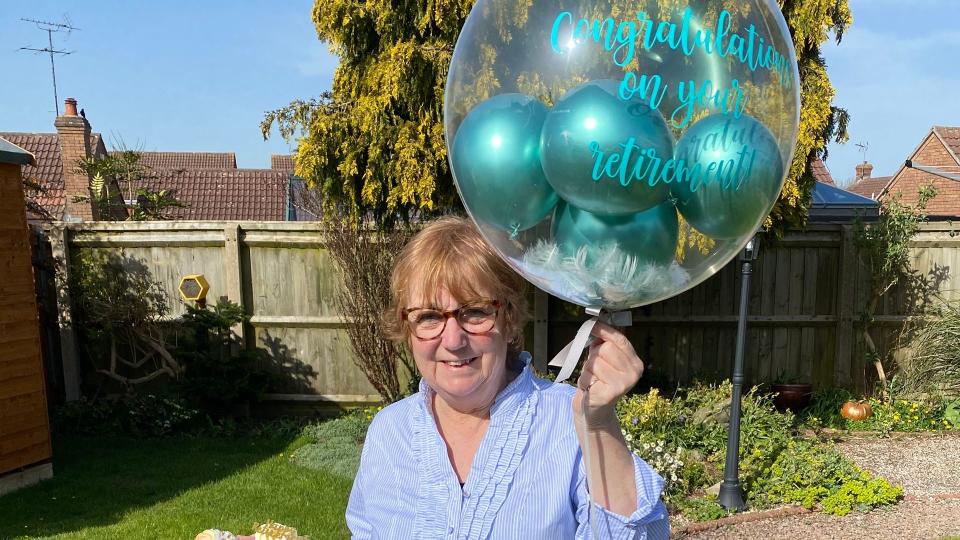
[
  {"x": 282, "y": 162},
  {"x": 48, "y": 172},
  {"x": 189, "y": 160},
  {"x": 224, "y": 194},
  {"x": 950, "y": 136},
  {"x": 870, "y": 187},
  {"x": 821, "y": 173}
]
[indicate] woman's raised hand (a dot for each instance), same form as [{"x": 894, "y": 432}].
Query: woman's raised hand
[{"x": 611, "y": 370}]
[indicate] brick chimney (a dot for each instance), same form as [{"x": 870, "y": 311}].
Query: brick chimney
[
  {"x": 74, "y": 133},
  {"x": 863, "y": 170}
]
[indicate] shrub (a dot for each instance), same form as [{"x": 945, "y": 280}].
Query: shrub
[
  {"x": 932, "y": 370},
  {"x": 684, "y": 439},
  {"x": 902, "y": 415},
  {"x": 701, "y": 508},
  {"x": 811, "y": 473},
  {"x": 824, "y": 408},
  {"x": 366, "y": 258},
  {"x": 139, "y": 415},
  {"x": 888, "y": 416},
  {"x": 335, "y": 445},
  {"x": 221, "y": 376},
  {"x": 118, "y": 309}
]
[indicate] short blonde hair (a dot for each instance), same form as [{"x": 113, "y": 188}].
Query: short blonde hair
[{"x": 450, "y": 254}]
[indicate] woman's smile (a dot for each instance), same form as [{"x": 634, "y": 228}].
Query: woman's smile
[{"x": 457, "y": 364}]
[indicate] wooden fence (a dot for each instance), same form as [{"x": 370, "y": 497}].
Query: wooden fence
[
  {"x": 279, "y": 272},
  {"x": 806, "y": 300},
  {"x": 25, "y": 448}
]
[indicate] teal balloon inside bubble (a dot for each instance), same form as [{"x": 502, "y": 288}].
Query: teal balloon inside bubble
[
  {"x": 601, "y": 152},
  {"x": 729, "y": 174},
  {"x": 627, "y": 91},
  {"x": 496, "y": 151},
  {"x": 647, "y": 238}
]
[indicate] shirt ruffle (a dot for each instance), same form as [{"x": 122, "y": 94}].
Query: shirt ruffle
[{"x": 493, "y": 468}]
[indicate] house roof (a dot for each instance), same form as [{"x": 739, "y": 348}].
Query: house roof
[
  {"x": 830, "y": 203},
  {"x": 212, "y": 193},
  {"x": 821, "y": 173},
  {"x": 48, "y": 168},
  {"x": 951, "y": 138},
  {"x": 282, "y": 162},
  {"x": 188, "y": 160},
  {"x": 224, "y": 194},
  {"x": 940, "y": 150},
  {"x": 870, "y": 187}
]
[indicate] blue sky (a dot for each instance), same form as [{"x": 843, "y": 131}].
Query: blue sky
[
  {"x": 197, "y": 76},
  {"x": 168, "y": 75},
  {"x": 897, "y": 71}
]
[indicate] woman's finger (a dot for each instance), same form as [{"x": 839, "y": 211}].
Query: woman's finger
[
  {"x": 587, "y": 378},
  {"x": 610, "y": 334}
]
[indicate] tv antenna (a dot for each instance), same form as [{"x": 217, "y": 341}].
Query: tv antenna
[
  {"x": 863, "y": 146},
  {"x": 50, "y": 28}
]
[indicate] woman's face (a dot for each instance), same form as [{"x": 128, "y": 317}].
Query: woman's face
[{"x": 466, "y": 370}]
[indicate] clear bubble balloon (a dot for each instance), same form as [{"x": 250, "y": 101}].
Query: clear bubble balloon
[{"x": 648, "y": 139}]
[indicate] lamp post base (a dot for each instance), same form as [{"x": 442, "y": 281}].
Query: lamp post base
[{"x": 731, "y": 497}]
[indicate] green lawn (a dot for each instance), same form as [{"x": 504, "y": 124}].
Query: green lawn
[{"x": 110, "y": 488}]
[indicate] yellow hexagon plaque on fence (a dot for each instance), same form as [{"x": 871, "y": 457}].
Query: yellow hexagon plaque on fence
[{"x": 193, "y": 288}]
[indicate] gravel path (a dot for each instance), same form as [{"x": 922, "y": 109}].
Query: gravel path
[{"x": 928, "y": 468}]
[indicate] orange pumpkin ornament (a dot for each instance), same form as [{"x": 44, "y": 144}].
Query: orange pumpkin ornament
[{"x": 853, "y": 410}]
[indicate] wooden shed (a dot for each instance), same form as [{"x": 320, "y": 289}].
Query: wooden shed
[{"x": 24, "y": 425}]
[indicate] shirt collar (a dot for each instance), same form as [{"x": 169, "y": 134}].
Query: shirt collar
[{"x": 507, "y": 399}]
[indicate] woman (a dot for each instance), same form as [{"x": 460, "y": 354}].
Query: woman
[{"x": 486, "y": 449}]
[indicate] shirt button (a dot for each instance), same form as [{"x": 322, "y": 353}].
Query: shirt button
[
  {"x": 450, "y": 530},
  {"x": 466, "y": 494}
]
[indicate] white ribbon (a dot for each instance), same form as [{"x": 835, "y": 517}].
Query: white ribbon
[{"x": 567, "y": 360}]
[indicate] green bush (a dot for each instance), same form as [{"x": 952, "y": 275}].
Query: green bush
[
  {"x": 932, "y": 369},
  {"x": 811, "y": 473},
  {"x": 903, "y": 415},
  {"x": 139, "y": 415},
  {"x": 684, "y": 439},
  {"x": 335, "y": 445},
  {"x": 701, "y": 508},
  {"x": 824, "y": 408},
  {"x": 221, "y": 376}
]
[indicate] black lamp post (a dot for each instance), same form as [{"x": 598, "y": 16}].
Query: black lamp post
[{"x": 731, "y": 495}]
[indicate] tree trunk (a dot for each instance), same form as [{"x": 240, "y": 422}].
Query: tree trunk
[{"x": 872, "y": 348}]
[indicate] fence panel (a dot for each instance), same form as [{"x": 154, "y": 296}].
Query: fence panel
[{"x": 806, "y": 298}]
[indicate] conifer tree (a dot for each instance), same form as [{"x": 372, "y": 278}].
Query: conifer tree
[{"x": 374, "y": 144}]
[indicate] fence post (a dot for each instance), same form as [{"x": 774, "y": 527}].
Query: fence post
[
  {"x": 845, "y": 308},
  {"x": 233, "y": 272},
  {"x": 60, "y": 249}
]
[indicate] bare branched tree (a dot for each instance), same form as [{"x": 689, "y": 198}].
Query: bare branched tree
[{"x": 365, "y": 258}]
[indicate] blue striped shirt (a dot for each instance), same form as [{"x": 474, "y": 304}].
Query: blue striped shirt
[{"x": 527, "y": 480}]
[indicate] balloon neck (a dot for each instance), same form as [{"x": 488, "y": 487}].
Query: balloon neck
[{"x": 613, "y": 318}]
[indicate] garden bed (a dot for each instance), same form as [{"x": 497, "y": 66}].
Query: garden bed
[{"x": 927, "y": 465}]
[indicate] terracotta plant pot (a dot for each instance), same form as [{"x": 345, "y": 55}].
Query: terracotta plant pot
[{"x": 792, "y": 397}]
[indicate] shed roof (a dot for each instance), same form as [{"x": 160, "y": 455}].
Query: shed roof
[
  {"x": 13, "y": 154},
  {"x": 831, "y": 203}
]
